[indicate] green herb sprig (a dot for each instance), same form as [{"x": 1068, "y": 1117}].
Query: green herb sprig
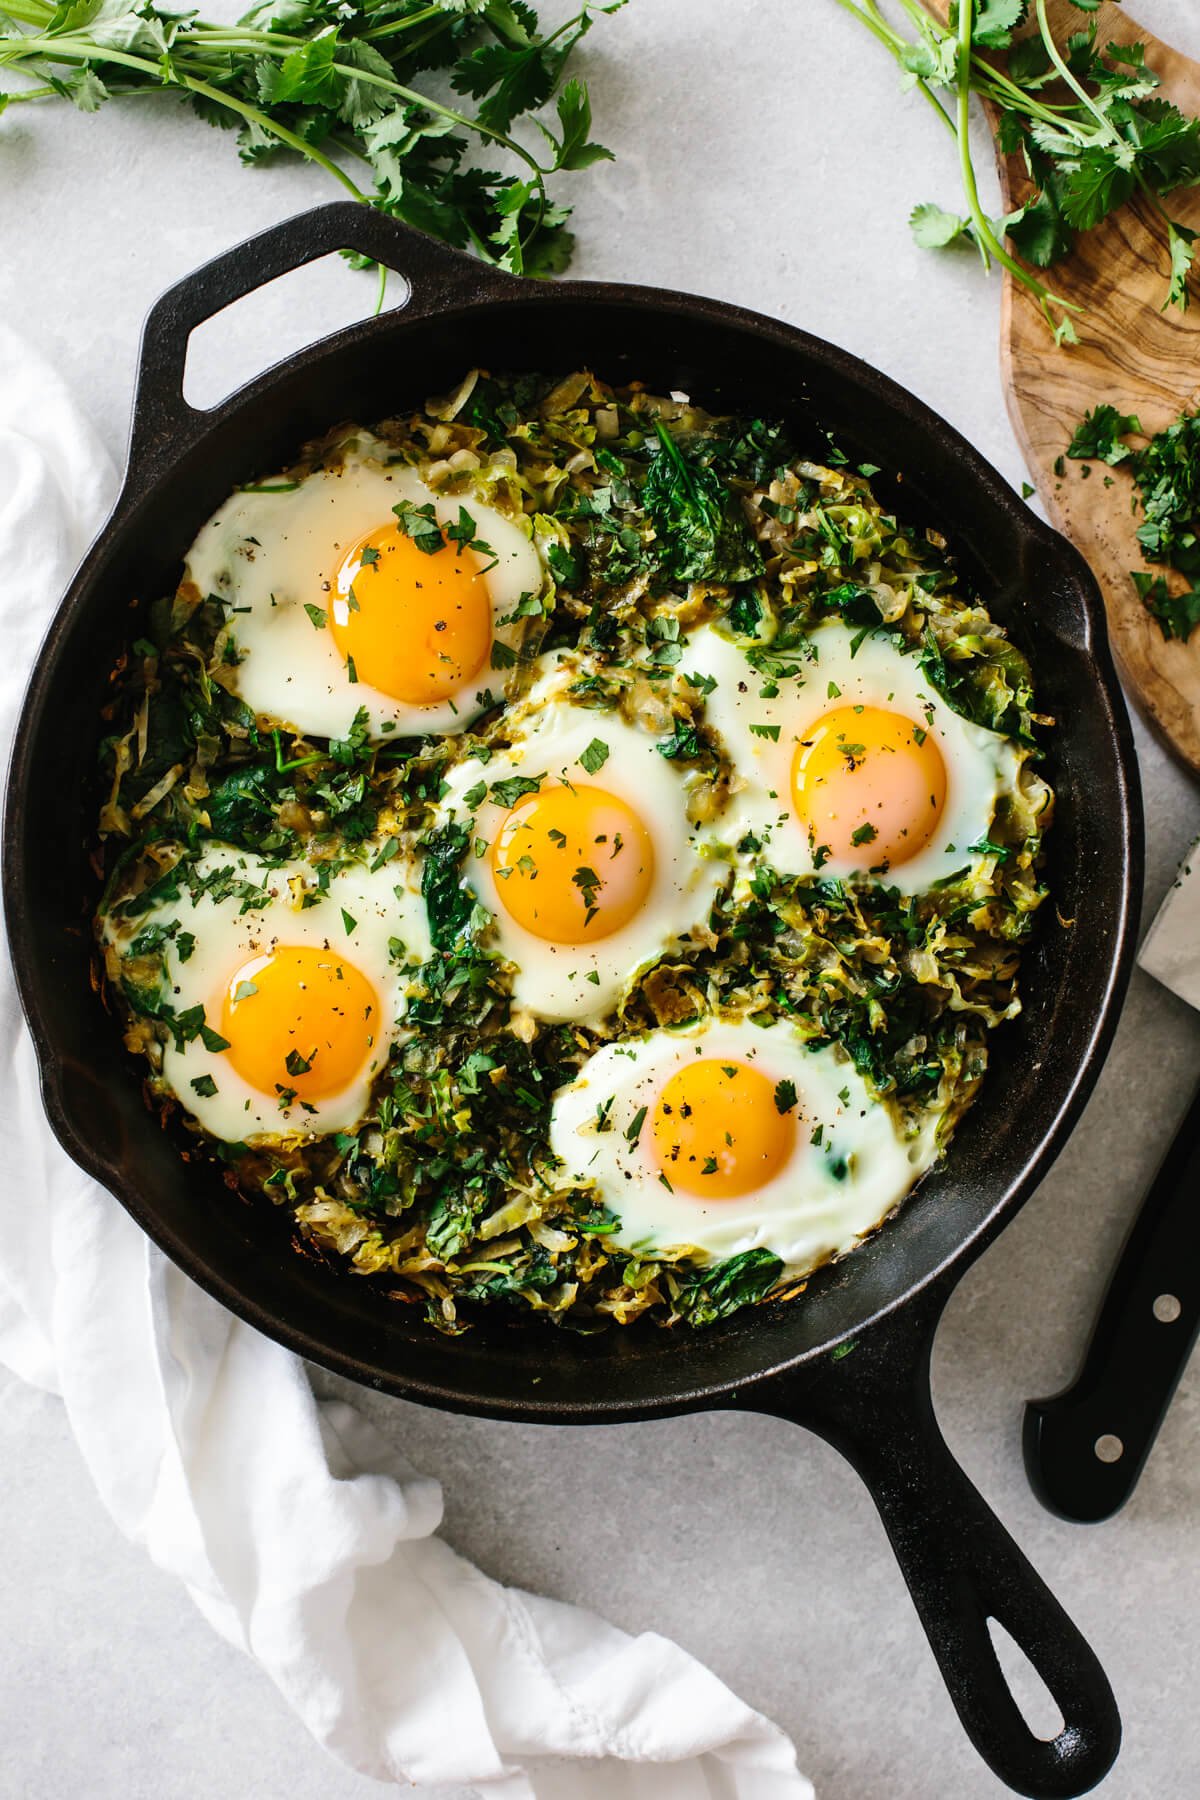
[
  {"x": 334, "y": 81},
  {"x": 1087, "y": 120}
]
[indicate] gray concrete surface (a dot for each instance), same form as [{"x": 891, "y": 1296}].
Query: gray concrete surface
[{"x": 765, "y": 157}]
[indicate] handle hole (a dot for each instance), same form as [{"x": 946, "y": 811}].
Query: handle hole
[
  {"x": 1108, "y": 1448},
  {"x": 275, "y": 321},
  {"x": 1167, "y": 1308},
  {"x": 1035, "y": 1703}
]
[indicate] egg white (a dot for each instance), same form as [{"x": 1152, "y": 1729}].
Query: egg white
[
  {"x": 385, "y": 905},
  {"x": 980, "y": 764},
  {"x": 267, "y": 555},
  {"x": 584, "y": 981},
  {"x": 805, "y": 1214}
]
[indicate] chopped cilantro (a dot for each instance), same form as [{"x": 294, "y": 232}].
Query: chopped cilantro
[
  {"x": 594, "y": 757},
  {"x": 420, "y": 523},
  {"x": 514, "y": 787}
]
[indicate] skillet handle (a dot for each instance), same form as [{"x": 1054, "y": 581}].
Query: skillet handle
[
  {"x": 873, "y": 1403},
  {"x": 436, "y": 276}
]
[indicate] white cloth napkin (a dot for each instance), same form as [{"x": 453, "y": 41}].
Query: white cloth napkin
[
  {"x": 1171, "y": 950},
  {"x": 299, "y": 1532}
]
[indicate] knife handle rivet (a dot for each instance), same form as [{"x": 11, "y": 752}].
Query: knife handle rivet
[
  {"x": 1167, "y": 1309},
  {"x": 1108, "y": 1448}
]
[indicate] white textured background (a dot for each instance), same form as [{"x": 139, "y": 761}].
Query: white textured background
[{"x": 765, "y": 157}]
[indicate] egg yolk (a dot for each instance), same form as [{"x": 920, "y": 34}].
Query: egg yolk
[
  {"x": 869, "y": 784},
  {"x": 716, "y": 1131},
  {"x": 299, "y": 1019},
  {"x": 415, "y": 625},
  {"x": 573, "y": 864}
]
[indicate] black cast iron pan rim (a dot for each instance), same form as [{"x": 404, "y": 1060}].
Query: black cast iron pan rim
[
  {"x": 875, "y": 1406},
  {"x": 483, "y": 283}
]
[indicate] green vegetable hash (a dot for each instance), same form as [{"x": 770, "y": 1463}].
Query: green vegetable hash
[{"x": 668, "y": 546}]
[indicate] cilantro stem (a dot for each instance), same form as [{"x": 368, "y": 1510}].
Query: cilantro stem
[
  {"x": 29, "y": 12},
  {"x": 984, "y": 237},
  {"x": 74, "y": 50},
  {"x": 376, "y": 32},
  {"x": 973, "y": 74},
  {"x": 299, "y": 762},
  {"x": 869, "y": 15},
  {"x": 989, "y": 244},
  {"x": 1107, "y": 131},
  {"x": 252, "y": 116},
  {"x": 327, "y": 104},
  {"x": 69, "y": 48}
]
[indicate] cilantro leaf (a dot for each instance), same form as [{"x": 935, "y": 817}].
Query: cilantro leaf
[
  {"x": 785, "y": 1096},
  {"x": 995, "y": 22},
  {"x": 1180, "y": 241},
  {"x": 515, "y": 787},
  {"x": 934, "y": 228},
  {"x": 420, "y": 523},
  {"x": 573, "y": 150},
  {"x": 594, "y": 757},
  {"x": 1100, "y": 178}
]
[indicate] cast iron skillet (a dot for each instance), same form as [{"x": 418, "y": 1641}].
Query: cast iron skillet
[{"x": 851, "y": 1360}]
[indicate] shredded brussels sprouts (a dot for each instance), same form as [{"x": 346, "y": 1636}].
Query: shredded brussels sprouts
[{"x": 651, "y": 517}]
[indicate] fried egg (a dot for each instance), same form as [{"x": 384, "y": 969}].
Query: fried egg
[
  {"x": 734, "y": 1137},
  {"x": 302, "y": 988},
  {"x": 335, "y": 605},
  {"x": 582, "y": 852},
  {"x": 855, "y": 765}
]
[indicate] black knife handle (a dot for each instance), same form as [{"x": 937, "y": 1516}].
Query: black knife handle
[{"x": 1085, "y": 1448}]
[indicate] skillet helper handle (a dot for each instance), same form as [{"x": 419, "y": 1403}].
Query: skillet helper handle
[
  {"x": 1086, "y": 1447},
  {"x": 436, "y": 276},
  {"x": 873, "y": 1403}
]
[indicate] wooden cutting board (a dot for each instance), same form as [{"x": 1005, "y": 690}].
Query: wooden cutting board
[{"x": 1132, "y": 355}]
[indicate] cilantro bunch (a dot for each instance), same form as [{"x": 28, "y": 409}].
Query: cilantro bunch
[
  {"x": 336, "y": 81},
  {"x": 1088, "y": 121}
]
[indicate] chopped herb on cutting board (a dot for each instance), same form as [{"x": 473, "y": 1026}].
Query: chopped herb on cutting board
[{"x": 1166, "y": 476}]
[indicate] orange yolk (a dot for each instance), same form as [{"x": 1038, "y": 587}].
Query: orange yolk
[
  {"x": 299, "y": 1018},
  {"x": 573, "y": 864},
  {"x": 418, "y": 626},
  {"x": 716, "y": 1130},
  {"x": 869, "y": 784}
]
